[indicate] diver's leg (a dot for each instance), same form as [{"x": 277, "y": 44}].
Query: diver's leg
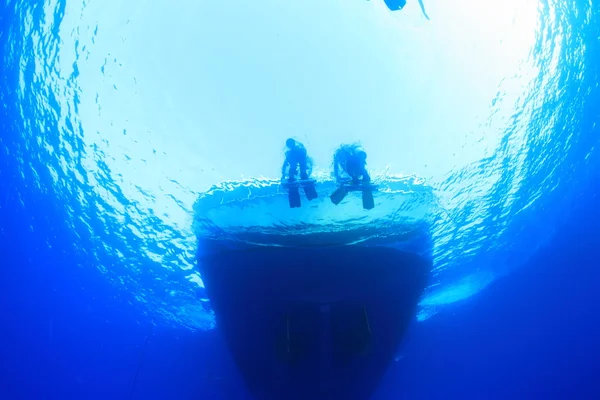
[
  {"x": 366, "y": 178},
  {"x": 293, "y": 171},
  {"x": 367, "y": 191},
  {"x": 303, "y": 174},
  {"x": 293, "y": 189},
  {"x": 309, "y": 188}
]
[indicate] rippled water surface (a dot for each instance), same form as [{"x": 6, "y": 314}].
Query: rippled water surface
[{"x": 128, "y": 114}]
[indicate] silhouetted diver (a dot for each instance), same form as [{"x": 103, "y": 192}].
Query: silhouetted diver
[
  {"x": 297, "y": 160},
  {"x": 350, "y": 172}
]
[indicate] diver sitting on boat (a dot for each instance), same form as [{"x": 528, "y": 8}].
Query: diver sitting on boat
[
  {"x": 350, "y": 159},
  {"x": 296, "y": 158},
  {"x": 350, "y": 172}
]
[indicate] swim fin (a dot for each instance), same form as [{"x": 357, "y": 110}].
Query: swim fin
[
  {"x": 339, "y": 195},
  {"x": 294, "y": 197},
  {"x": 310, "y": 191},
  {"x": 367, "y": 199}
]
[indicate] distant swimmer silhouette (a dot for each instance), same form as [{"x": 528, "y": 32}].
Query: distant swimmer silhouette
[
  {"x": 395, "y": 5},
  {"x": 297, "y": 160},
  {"x": 350, "y": 172}
]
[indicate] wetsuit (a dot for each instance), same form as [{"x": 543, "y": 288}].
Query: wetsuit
[
  {"x": 351, "y": 159},
  {"x": 295, "y": 158}
]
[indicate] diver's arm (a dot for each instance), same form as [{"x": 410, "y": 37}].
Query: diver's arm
[
  {"x": 336, "y": 170},
  {"x": 283, "y": 168}
]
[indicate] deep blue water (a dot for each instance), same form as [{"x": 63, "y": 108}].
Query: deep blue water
[{"x": 99, "y": 215}]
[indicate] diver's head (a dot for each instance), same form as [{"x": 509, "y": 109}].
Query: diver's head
[
  {"x": 290, "y": 143},
  {"x": 361, "y": 154}
]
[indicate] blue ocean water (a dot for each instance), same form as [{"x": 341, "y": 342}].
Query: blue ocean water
[{"x": 129, "y": 131}]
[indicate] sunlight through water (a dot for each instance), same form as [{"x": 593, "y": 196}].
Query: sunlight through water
[{"x": 135, "y": 110}]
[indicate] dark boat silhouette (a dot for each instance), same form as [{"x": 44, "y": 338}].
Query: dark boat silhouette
[{"x": 312, "y": 323}]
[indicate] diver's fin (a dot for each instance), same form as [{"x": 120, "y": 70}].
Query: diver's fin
[
  {"x": 339, "y": 195},
  {"x": 367, "y": 199},
  {"x": 310, "y": 191},
  {"x": 423, "y": 9},
  {"x": 294, "y": 197}
]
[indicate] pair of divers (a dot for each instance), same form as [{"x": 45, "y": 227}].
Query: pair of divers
[{"x": 349, "y": 170}]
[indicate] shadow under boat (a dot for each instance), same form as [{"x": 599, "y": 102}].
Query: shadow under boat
[{"x": 312, "y": 323}]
